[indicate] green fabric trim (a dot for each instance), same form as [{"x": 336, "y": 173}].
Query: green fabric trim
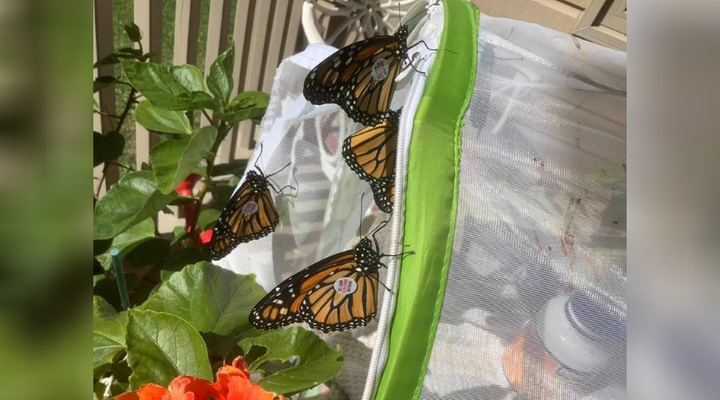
[{"x": 431, "y": 203}]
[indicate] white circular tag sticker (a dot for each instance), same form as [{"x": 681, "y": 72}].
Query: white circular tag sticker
[
  {"x": 380, "y": 69},
  {"x": 345, "y": 285},
  {"x": 250, "y": 208}
]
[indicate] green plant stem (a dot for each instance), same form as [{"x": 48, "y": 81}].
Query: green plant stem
[
  {"x": 123, "y": 116},
  {"x": 207, "y": 116},
  {"x": 121, "y": 166},
  {"x": 223, "y": 129},
  {"x": 120, "y": 278}
]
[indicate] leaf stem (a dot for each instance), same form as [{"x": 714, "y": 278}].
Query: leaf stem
[
  {"x": 121, "y": 120},
  {"x": 208, "y": 117},
  {"x": 223, "y": 129},
  {"x": 120, "y": 278}
]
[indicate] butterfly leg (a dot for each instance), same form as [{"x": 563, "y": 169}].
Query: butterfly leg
[
  {"x": 424, "y": 44},
  {"x": 410, "y": 63},
  {"x": 403, "y": 254},
  {"x": 383, "y": 285}
]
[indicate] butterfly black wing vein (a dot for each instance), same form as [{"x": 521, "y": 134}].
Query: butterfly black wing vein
[
  {"x": 360, "y": 78},
  {"x": 249, "y": 215},
  {"x": 320, "y": 294}
]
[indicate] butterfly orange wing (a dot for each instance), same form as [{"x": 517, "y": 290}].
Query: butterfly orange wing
[
  {"x": 346, "y": 78},
  {"x": 249, "y": 215},
  {"x": 309, "y": 296},
  {"x": 371, "y": 151}
]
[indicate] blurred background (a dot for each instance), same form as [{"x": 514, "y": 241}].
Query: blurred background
[{"x": 45, "y": 151}]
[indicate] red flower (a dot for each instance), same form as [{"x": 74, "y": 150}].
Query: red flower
[
  {"x": 147, "y": 392},
  {"x": 232, "y": 383},
  {"x": 206, "y": 236}
]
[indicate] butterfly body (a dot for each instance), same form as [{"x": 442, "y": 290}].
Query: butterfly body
[
  {"x": 360, "y": 77},
  {"x": 257, "y": 182},
  {"x": 334, "y": 294}
]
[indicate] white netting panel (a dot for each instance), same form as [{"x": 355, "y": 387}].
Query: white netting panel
[
  {"x": 322, "y": 217},
  {"x": 541, "y": 218}
]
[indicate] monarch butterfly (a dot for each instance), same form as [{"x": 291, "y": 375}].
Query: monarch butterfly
[
  {"x": 332, "y": 295},
  {"x": 249, "y": 215},
  {"x": 360, "y": 77},
  {"x": 370, "y": 152}
]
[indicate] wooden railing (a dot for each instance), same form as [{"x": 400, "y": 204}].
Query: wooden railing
[{"x": 264, "y": 32}]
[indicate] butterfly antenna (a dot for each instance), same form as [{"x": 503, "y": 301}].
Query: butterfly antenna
[
  {"x": 279, "y": 171},
  {"x": 377, "y": 229},
  {"x": 422, "y": 14},
  {"x": 258, "y": 160},
  {"x": 398, "y": 14},
  {"x": 361, "y": 213}
]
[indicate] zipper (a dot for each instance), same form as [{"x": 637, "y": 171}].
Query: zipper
[{"x": 379, "y": 354}]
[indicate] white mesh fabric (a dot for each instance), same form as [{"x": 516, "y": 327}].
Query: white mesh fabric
[
  {"x": 322, "y": 217},
  {"x": 541, "y": 209}
]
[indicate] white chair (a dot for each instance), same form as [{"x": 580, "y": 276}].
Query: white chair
[{"x": 360, "y": 19}]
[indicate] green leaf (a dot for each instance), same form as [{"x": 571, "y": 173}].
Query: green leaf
[
  {"x": 109, "y": 59},
  {"x": 221, "y": 345},
  {"x": 163, "y": 85},
  {"x": 101, "y": 246},
  {"x": 317, "y": 362},
  {"x": 96, "y": 106},
  {"x": 149, "y": 252},
  {"x": 180, "y": 259},
  {"x": 107, "y": 147},
  {"x": 182, "y": 200},
  {"x": 221, "y": 196},
  {"x": 246, "y": 105},
  {"x": 236, "y": 169},
  {"x": 146, "y": 56},
  {"x": 161, "y": 347},
  {"x": 213, "y": 299},
  {"x": 207, "y": 218},
  {"x": 189, "y": 76},
  {"x": 108, "y": 332},
  {"x": 101, "y": 82},
  {"x": 159, "y": 120},
  {"x": 131, "y": 51},
  {"x": 173, "y": 160},
  {"x": 179, "y": 233},
  {"x": 219, "y": 80},
  {"x": 128, "y": 240},
  {"x": 133, "y": 32},
  {"x": 133, "y": 199},
  {"x": 199, "y": 100}
]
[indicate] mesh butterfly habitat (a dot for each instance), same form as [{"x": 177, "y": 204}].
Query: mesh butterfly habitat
[{"x": 446, "y": 205}]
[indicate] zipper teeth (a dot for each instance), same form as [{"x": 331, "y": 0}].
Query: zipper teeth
[{"x": 387, "y": 310}]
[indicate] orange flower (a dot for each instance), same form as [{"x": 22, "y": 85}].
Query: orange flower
[
  {"x": 232, "y": 383},
  {"x": 147, "y": 392}
]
